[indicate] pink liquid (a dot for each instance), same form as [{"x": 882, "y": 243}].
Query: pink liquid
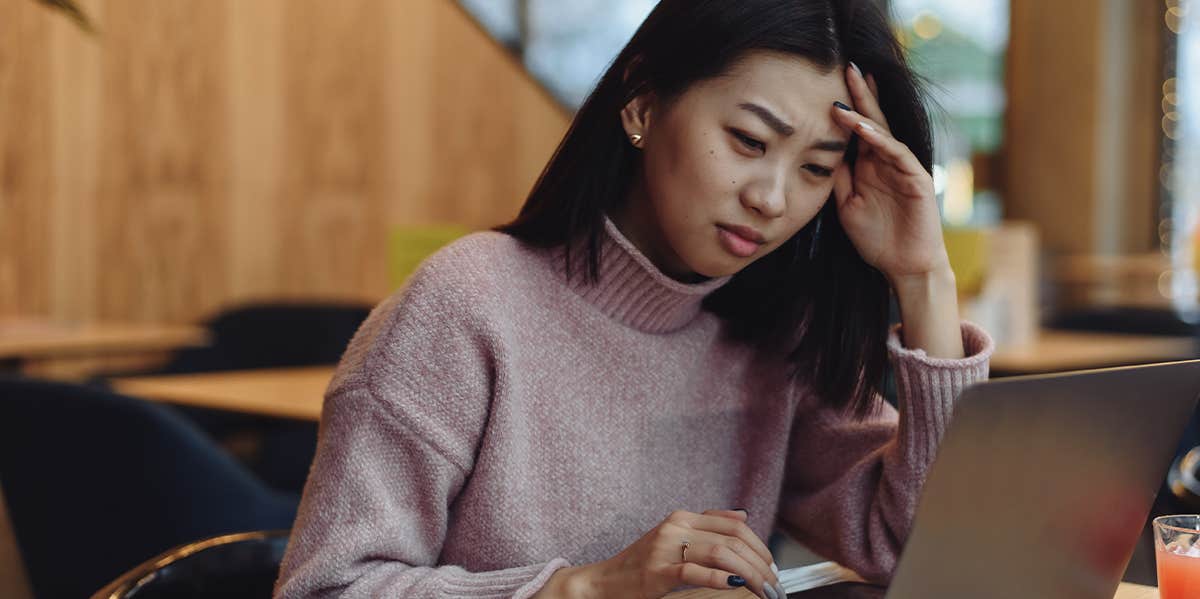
[{"x": 1178, "y": 575}]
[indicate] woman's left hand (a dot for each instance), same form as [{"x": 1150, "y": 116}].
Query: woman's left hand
[{"x": 886, "y": 202}]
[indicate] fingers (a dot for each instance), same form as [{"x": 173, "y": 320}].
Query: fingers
[
  {"x": 864, "y": 97},
  {"x": 874, "y": 88},
  {"x": 878, "y": 140},
  {"x": 715, "y": 549},
  {"x": 700, "y": 576},
  {"x": 731, "y": 535},
  {"x": 721, "y": 539},
  {"x": 730, "y": 554},
  {"x": 739, "y": 515},
  {"x": 739, "y": 530}
]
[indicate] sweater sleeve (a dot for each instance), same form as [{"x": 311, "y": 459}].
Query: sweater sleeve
[
  {"x": 851, "y": 487},
  {"x": 399, "y": 429}
]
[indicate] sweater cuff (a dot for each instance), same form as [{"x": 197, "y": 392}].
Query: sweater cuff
[
  {"x": 514, "y": 583},
  {"x": 977, "y": 347},
  {"x": 926, "y": 388}
]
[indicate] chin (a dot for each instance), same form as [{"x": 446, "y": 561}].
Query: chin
[{"x": 719, "y": 266}]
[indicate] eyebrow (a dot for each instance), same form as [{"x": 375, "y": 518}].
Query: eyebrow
[
  {"x": 784, "y": 129},
  {"x": 830, "y": 145},
  {"x": 769, "y": 118}
]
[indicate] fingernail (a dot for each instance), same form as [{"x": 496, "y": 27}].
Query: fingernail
[
  {"x": 742, "y": 510},
  {"x": 736, "y": 581},
  {"x": 865, "y": 127},
  {"x": 770, "y": 591},
  {"x": 782, "y": 593},
  {"x": 842, "y": 106},
  {"x": 856, "y": 69},
  {"x": 775, "y": 568}
]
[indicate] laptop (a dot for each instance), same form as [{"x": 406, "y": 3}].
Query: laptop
[{"x": 1042, "y": 484}]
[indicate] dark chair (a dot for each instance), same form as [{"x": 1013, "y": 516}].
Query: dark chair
[
  {"x": 1183, "y": 481},
  {"x": 236, "y": 566},
  {"x": 273, "y": 335},
  {"x": 268, "y": 335},
  {"x": 97, "y": 482}
]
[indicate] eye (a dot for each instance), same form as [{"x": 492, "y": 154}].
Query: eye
[
  {"x": 749, "y": 142},
  {"x": 818, "y": 170}
]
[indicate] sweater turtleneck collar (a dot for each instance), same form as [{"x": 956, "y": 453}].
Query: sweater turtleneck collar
[{"x": 635, "y": 292}]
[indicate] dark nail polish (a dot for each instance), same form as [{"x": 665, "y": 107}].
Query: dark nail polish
[
  {"x": 736, "y": 581},
  {"x": 842, "y": 106}
]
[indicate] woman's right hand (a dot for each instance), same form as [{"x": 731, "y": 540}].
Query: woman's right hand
[{"x": 722, "y": 553}]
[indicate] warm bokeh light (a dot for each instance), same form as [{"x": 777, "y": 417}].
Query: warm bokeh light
[
  {"x": 958, "y": 203},
  {"x": 1170, "y": 124},
  {"x": 1174, "y": 18},
  {"x": 927, "y": 26}
]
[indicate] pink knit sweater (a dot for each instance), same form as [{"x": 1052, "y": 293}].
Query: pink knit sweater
[{"x": 491, "y": 423}]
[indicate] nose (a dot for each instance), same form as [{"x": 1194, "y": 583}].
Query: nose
[{"x": 765, "y": 196}]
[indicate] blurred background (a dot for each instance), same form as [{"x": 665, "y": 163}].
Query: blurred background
[{"x": 201, "y": 200}]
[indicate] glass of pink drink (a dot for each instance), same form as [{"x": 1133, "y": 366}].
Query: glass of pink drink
[{"x": 1177, "y": 552}]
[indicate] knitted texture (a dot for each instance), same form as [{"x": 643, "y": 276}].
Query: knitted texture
[{"x": 492, "y": 422}]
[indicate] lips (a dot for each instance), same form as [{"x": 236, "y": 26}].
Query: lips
[
  {"x": 745, "y": 233},
  {"x": 742, "y": 242}
]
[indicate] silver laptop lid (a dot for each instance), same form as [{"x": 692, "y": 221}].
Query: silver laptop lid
[{"x": 1042, "y": 484}]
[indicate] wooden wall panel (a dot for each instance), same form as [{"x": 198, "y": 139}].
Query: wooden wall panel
[
  {"x": 1053, "y": 76},
  {"x": 162, "y": 160},
  {"x": 25, "y": 166},
  {"x": 1143, "y": 87},
  {"x": 200, "y": 153},
  {"x": 256, "y": 132},
  {"x": 77, "y": 84},
  {"x": 333, "y": 189}
]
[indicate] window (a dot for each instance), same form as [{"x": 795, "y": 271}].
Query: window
[
  {"x": 565, "y": 45},
  {"x": 958, "y": 46},
  {"x": 1179, "y": 172}
]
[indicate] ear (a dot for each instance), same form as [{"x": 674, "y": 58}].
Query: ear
[{"x": 636, "y": 115}]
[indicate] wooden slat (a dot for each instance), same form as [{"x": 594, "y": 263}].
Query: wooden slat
[{"x": 25, "y": 158}]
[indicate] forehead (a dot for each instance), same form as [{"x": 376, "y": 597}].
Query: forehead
[{"x": 791, "y": 87}]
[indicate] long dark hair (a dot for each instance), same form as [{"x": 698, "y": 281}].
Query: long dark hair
[{"x": 813, "y": 298}]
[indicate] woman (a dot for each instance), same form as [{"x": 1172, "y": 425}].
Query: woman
[{"x": 689, "y": 315}]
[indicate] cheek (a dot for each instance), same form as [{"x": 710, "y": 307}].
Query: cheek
[
  {"x": 688, "y": 178},
  {"x": 806, "y": 207}
]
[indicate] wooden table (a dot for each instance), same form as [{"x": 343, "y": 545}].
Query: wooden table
[
  {"x": 1135, "y": 591},
  {"x": 35, "y": 338},
  {"x": 281, "y": 392},
  {"x": 1125, "y": 591},
  {"x": 1075, "y": 350},
  {"x": 299, "y": 392}
]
